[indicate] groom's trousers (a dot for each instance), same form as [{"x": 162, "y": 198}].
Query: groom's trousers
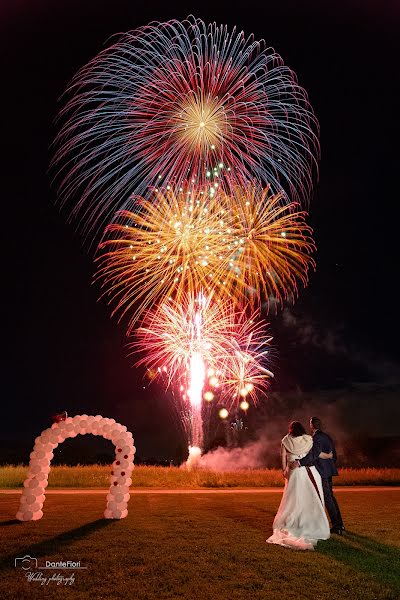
[{"x": 331, "y": 504}]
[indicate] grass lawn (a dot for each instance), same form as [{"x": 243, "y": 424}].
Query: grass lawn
[
  {"x": 208, "y": 546},
  {"x": 12, "y": 476}
]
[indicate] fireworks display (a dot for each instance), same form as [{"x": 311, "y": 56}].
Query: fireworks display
[
  {"x": 206, "y": 350},
  {"x": 233, "y": 345},
  {"x": 243, "y": 246},
  {"x": 192, "y": 150},
  {"x": 167, "y": 103}
]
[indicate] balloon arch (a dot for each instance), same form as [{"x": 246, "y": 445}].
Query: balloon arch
[{"x": 33, "y": 495}]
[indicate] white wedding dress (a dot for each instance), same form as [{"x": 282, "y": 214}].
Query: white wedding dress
[{"x": 301, "y": 519}]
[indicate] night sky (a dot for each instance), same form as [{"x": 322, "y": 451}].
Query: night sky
[{"x": 336, "y": 350}]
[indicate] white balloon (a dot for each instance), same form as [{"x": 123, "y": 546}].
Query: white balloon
[
  {"x": 33, "y": 495},
  {"x": 34, "y": 483},
  {"x": 37, "y": 515}
]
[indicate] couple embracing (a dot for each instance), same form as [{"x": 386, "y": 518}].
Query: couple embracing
[{"x": 308, "y": 464}]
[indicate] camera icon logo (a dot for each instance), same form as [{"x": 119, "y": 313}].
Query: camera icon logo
[{"x": 26, "y": 562}]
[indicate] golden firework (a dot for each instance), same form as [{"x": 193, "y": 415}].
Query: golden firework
[
  {"x": 201, "y": 124},
  {"x": 272, "y": 247},
  {"x": 242, "y": 246}
]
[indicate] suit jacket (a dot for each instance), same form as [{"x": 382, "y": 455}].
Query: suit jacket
[{"x": 326, "y": 467}]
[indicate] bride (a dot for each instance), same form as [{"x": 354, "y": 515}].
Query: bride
[{"x": 301, "y": 520}]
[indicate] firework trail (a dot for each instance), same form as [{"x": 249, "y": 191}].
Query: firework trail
[{"x": 177, "y": 102}]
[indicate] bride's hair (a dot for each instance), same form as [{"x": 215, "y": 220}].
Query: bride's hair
[{"x": 296, "y": 429}]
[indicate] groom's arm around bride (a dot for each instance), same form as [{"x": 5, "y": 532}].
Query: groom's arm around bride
[{"x": 322, "y": 442}]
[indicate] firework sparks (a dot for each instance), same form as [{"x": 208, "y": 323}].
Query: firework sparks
[
  {"x": 232, "y": 349},
  {"x": 240, "y": 246},
  {"x": 176, "y": 101}
]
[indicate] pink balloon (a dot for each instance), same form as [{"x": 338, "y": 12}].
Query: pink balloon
[{"x": 34, "y": 483}]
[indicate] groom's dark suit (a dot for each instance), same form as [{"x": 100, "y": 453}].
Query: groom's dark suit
[{"x": 322, "y": 442}]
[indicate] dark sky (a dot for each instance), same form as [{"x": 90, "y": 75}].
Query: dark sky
[{"x": 337, "y": 346}]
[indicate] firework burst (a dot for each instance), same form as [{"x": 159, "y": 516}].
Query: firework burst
[
  {"x": 199, "y": 335},
  {"x": 180, "y": 101},
  {"x": 240, "y": 246}
]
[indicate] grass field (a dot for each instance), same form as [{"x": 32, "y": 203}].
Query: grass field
[
  {"x": 208, "y": 546},
  {"x": 175, "y": 477}
]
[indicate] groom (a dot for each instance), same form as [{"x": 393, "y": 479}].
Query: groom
[{"x": 322, "y": 442}]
